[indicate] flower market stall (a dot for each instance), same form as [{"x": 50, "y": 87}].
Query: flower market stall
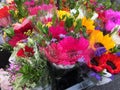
[{"x": 59, "y": 44}]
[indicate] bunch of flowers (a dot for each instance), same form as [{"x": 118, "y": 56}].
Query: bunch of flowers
[{"x": 88, "y": 32}]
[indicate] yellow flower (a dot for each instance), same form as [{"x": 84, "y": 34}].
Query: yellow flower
[
  {"x": 61, "y": 14},
  {"x": 88, "y": 23},
  {"x": 21, "y": 20},
  {"x": 97, "y": 37},
  {"x": 49, "y": 24},
  {"x": 28, "y": 33}
]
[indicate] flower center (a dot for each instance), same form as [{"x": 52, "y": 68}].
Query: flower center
[
  {"x": 110, "y": 63},
  {"x": 97, "y": 45},
  {"x": 114, "y": 19},
  {"x": 94, "y": 62}
]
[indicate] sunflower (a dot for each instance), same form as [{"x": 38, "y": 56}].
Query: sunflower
[
  {"x": 88, "y": 23},
  {"x": 97, "y": 39}
]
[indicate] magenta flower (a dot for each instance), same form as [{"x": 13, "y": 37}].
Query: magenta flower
[
  {"x": 30, "y": 3},
  {"x": 43, "y": 7},
  {"x": 56, "y": 31},
  {"x": 112, "y": 19},
  {"x": 67, "y": 51}
]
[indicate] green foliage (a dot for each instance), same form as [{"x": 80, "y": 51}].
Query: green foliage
[
  {"x": 42, "y": 29},
  {"x": 21, "y": 11},
  {"x": 6, "y": 46},
  {"x": 78, "y": 25},
  {"x": 33, "y": 71},
  {"x": 106, "y": 3},
  {"x": 69, "y": 22},
  {"x": 84, "y": 32},
  {"x": 9, "y": 32}
]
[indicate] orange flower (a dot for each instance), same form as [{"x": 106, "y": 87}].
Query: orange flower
[{"x": 89, "y": 24}]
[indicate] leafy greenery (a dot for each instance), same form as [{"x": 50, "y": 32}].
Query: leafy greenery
[
  {"x": 20, "y": 11},
  {"x": 33, "y": 71},
  {"x": 9, "y": 32}
]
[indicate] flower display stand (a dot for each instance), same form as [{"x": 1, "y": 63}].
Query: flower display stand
[
  {"x": 4, "y": 56},
  {"x": 67, "y": 78}
]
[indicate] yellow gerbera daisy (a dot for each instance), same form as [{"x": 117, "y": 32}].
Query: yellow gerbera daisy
[
  {"x": 88, "y": 23},
  {"x": 97, "y": 37},
  {"x": 61, "y": 14}
]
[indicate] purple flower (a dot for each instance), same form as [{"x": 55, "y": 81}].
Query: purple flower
[
  {"x": 96, "y": 75},
  {"x": 118, "y": 53},
  {"x": 99, "y": 51},
  {"x": 112, "y": 19}
]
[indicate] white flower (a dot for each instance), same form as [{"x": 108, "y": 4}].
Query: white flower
[
  {"x": 4, "y": 80},
  {"x": 115, "y": 36},
  {"x": 95, "y": 15},
  {"x": 81, "y": 13}
]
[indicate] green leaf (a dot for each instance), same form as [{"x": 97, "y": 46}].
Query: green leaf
[
  {"x": 84, "y": 32},
  {"x": 78, "y": 25},
  {"x": 9, "y": 32},
  {"x": 69, "y": 22}
]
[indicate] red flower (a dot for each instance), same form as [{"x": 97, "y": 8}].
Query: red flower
[
  {"x": 25, "y": 52},
  {"x": 4, "y": 16},
  {"x": 110, "y": 62},
  {"x": 4, "y": 12},
  {"x": 16, "y": 39},
  {"x": 101, "y": 15},
  {"x": 24, "y": 27}
]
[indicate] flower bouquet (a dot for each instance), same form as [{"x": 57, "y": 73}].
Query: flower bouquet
[{"x": 61, "y": 43}]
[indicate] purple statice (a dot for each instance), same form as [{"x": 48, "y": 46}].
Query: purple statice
[
  {"x": 99, "y": 51},
  {"x": 112, "y": 19},
  {"x": 118, "y": 53},
  {"x": 13, "y": 68},
  {"x": 96, "y": 75}
]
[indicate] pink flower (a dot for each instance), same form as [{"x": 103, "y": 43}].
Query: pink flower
[
  {"x": 30, "y": 3},
  {"x": 56, "y": 31},
  {"x": 112, "y": 19},
  {"x": 67, "y": 51},
  {"x": 4, "y": 80},
  {"x": 43, "y": 7}
]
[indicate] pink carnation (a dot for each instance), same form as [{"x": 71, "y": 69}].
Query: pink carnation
[
  {"x": 36, "y": 9},
  {"x": 56, "y": 31},
  {"x": 67, "y": 51}
]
